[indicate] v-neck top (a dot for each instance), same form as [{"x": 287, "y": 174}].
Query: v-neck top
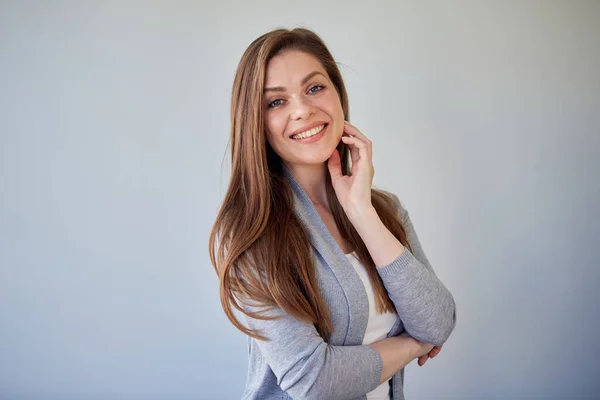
[{"x": 379, "y": 325}]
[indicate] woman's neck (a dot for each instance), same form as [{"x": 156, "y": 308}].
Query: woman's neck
[{"x": 312, "y": 180}]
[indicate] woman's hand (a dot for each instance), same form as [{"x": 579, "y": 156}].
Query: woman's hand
[
  {"x": 422, "y": 349},
  {"x": 353, "y": 192},
  {"x": 434, "y": 352}
]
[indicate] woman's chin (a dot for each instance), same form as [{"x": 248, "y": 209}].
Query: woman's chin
[
  {"x": 308, "y": 162},
  {"x": 321, "y": 158},
  {"x": 315, "y": 157}
]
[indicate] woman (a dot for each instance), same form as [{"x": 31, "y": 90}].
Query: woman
[{"x": 337, "y": 294}]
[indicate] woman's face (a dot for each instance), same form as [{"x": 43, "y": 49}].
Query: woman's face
[{"x": 304, "y": 120}]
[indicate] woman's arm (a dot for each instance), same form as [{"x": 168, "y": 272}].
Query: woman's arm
[
  {"x": 424, "y": 304},
  {"x": 422, "y": 301},
  {"x": 307, "y": 367},
  {"x": 397, "y": 352},
  {"x": 381, "y": 243}
]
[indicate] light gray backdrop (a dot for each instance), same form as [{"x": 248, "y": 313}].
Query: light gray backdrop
[{"x": 114, "y": 120}]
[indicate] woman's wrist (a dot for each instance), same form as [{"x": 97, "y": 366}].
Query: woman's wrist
[
  {"x": 381, "y": 243},
  {"x": 396, "y": 352},
  {"x": 362, "y": 216},
  {"x": 412, "y": 345}
]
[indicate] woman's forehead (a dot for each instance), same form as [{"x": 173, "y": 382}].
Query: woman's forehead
[{"x": 291, "y": 67}]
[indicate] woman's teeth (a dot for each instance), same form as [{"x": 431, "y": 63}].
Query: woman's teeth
[{"x": 309, "y": 133}]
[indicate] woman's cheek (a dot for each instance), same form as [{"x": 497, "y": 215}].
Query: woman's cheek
[
  {"x": 279, "y": 126},
  {"x": 274, "y": 125}
]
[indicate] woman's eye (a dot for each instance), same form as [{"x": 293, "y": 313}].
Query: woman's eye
[
  {"x": 316, "y": 89},
  {"x": 275, "y": 103}
]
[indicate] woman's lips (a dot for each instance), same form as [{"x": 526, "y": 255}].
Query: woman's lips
[{"x": 313, "y": 138}]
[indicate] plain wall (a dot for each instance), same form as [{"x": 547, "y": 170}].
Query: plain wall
[{"x": 114, "y": 122}]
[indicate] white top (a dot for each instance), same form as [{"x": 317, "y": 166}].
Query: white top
[{"x": 378, "y": 326}]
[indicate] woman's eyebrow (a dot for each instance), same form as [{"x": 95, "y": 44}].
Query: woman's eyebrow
[{"x": 304, "y": 80}]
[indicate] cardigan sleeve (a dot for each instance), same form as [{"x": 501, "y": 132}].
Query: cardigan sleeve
[
  {"x": 307, "y": 367},
  {"x": 425, "y": 306}
]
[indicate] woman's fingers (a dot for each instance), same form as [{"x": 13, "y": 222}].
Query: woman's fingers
[
  {"x": 358, "y": 149},
  {"x": 335, "y": 165},
  {"x": 436, "y": 350},
  {"x": 353, "y": 131},
  {"x": 358, "y": 144},
  {"x": 355, "y": 141}
]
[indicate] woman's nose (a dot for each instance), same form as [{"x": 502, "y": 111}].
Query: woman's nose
[{"x": 302, "y": 108}]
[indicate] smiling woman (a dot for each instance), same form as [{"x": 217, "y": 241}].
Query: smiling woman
[
  {"x": 337, "y": 292},
  {"x": 303, "y": 107}
]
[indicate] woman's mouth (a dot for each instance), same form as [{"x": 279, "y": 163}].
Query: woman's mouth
[{"x": 311, "y": 135}]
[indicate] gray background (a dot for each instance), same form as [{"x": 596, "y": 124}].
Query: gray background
[{"x": 114, "y": 120}]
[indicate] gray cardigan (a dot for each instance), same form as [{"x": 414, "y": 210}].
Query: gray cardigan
[{"x": 297, "y": 363}]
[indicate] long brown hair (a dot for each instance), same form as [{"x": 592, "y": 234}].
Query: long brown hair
[{"x": 258, "y": 247}]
